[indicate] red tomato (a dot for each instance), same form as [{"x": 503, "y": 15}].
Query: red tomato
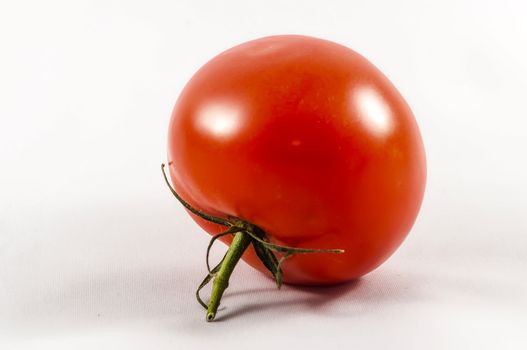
[{"x": 309, "y": 141}]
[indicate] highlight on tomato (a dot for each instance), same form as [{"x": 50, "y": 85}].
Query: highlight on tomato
[{"x": 301, "y": 156}]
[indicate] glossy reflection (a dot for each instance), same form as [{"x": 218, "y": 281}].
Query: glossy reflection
[
  {"x": 374, "y": 112},
  {"x": 220, "y": 119}
]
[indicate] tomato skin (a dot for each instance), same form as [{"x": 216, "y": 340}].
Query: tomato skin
[{"x": 307, "y": 140}]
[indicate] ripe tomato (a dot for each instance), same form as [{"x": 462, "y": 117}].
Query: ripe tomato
[{"x": 307, "y": 140}]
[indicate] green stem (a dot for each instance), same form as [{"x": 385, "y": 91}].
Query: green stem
[{"x": 239, "y": 244}]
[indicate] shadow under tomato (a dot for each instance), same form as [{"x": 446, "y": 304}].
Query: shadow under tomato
[
  {"x": 343, "y": 300},
  {"x": 310, "y": 298}
]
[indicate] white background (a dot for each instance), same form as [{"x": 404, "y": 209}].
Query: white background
[{"x": 95, "y": 253}]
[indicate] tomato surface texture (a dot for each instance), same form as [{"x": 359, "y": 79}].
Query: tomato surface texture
[{"x": 307, "y": 140}]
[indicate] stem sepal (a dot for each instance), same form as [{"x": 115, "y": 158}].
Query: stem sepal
[{"x": 245, "y": 235}]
